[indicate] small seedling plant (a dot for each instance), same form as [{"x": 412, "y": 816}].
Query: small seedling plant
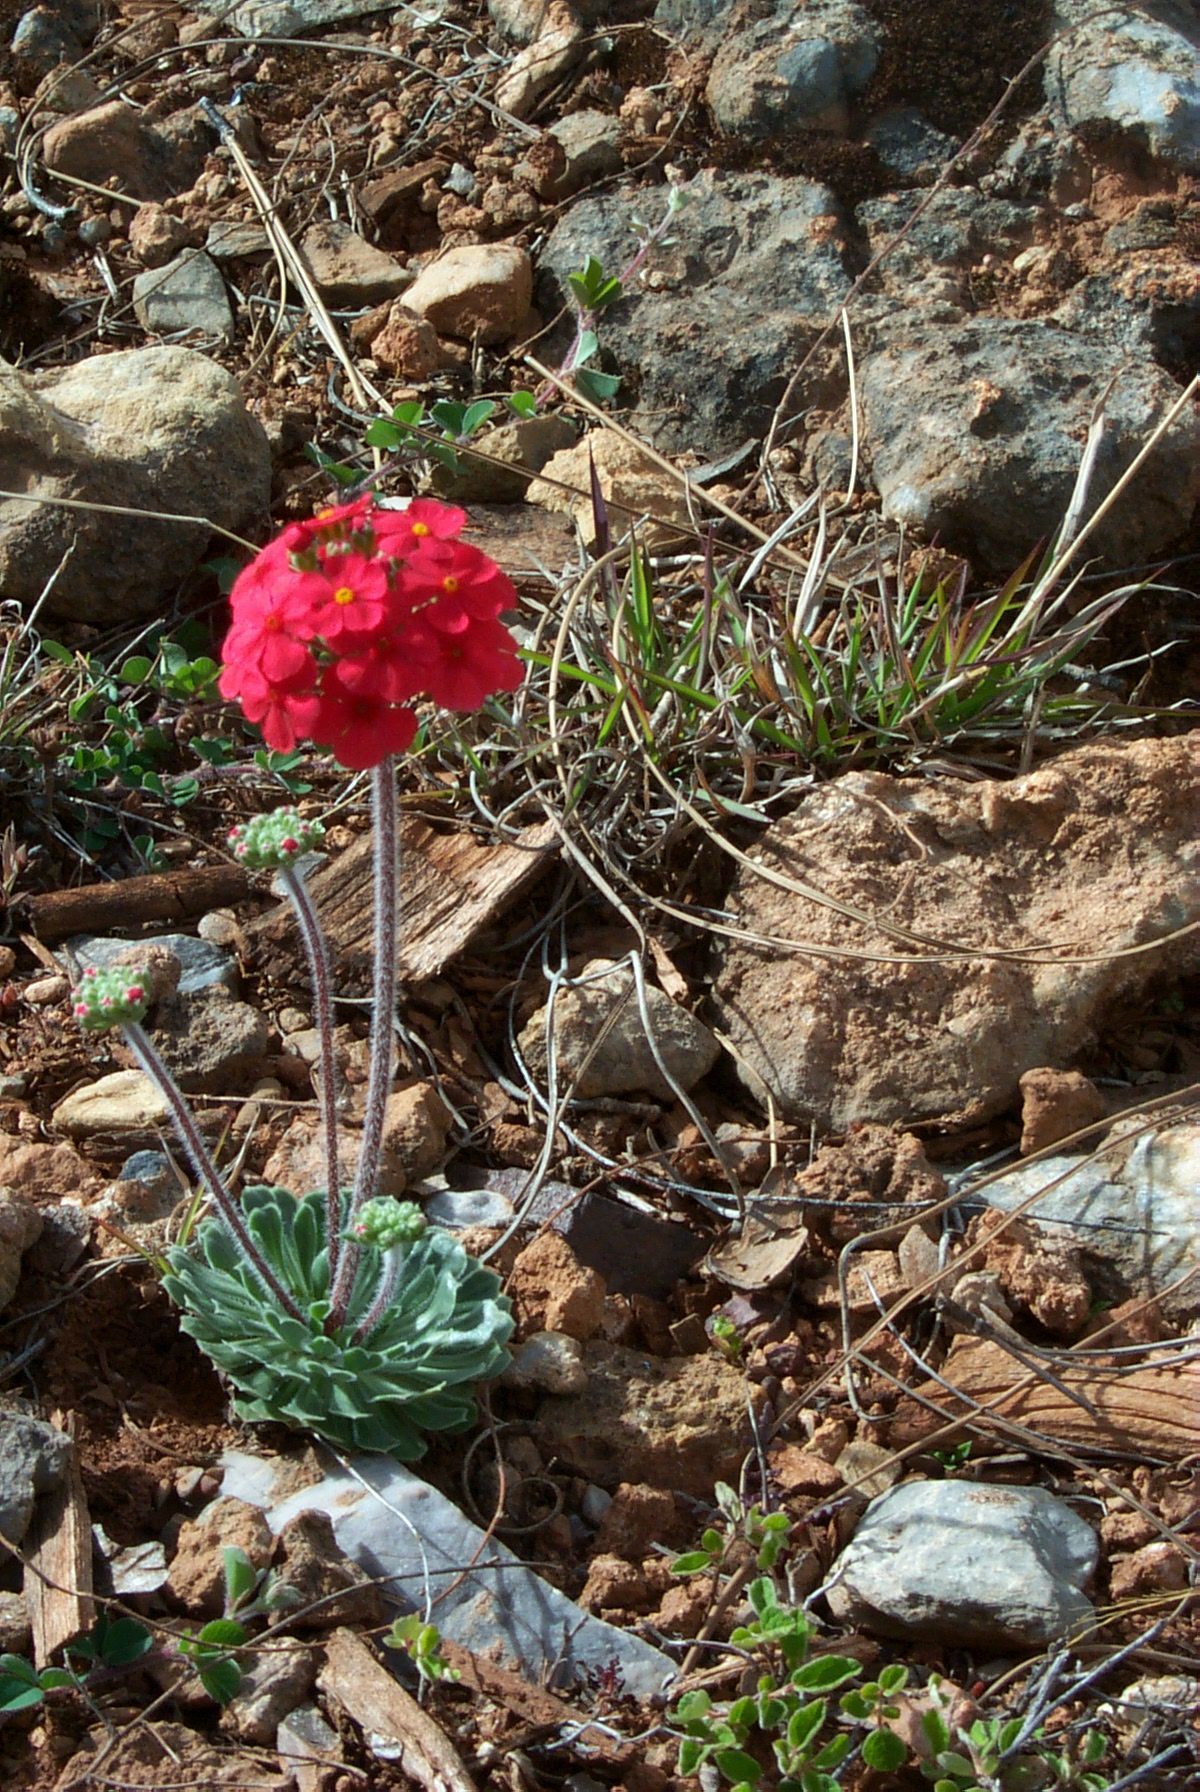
[
  {"x": 788, "y": 1734},
  {"x": 999, "y": 1755},
  {"x": 336, "y": 1309}
]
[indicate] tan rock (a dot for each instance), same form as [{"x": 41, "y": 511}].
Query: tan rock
[
  {"x": 115, "y": 140},
  {"x": 636, "y": 491},
  {"x": 601, "y": 1042},
  {"x": 1159, "y": 1567},
  {"x": 1041, "y": 1272},
  {"x": 20, "y": 1226},
  {"x": 684, "y": 1607},
  {"x": 1093, "y": 853},
  {"x": 479, "y": 292},
  {"x": 309, "y": 1560},
  {"x": 1054, "y": 1104},
  {"x": 347, "y": 269},
  {"x": 678, "y": 1422},
  {"x": 415, "y": 1128},
  {"x": 613, "y": 1584},
  {"x": 155, "y": 236},
  {"x": 535, "y": 69},
  {"x": 124, "y": 1101},
  {"x": 197, "y": 1577},
  {"x": 552, "y": 1291}
]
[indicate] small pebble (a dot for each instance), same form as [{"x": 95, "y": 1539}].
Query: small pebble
[
  {"x": 8, "y": 961},
  {"x": 44, "y": 990},
  {"x": 595, "y": 1503},
  {"x": 94, "y": 231}
]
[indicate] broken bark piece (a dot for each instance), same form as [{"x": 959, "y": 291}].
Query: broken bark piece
[
  {"x": 1152, "y": 1410},
  {"x": 382, "y": 1709},
  {"x": 161, "y": 896},
  {"x": 58, "y": 1560},
  {"x": 451, "y": 887}
]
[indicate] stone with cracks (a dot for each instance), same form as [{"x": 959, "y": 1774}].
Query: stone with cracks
[
  {"x": 765, "y": 250},
  {"x": 975, "y": 433},
  {"x": 968, "y": 1565},
  {"x": 1132, "y": 68},
  {"x": 155, "y": 429},
  {"x": 1089, "y": 856},
  {"x": 184, "y": 295},
  {"x": 33, "y": 1459},
  {"x": 796, "y": 68}
]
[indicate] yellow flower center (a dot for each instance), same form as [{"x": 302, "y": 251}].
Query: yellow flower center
[
  {"x": 420, "y": 528},
  {"x": 450, "y": 585},
  {"x": 343, "y": 595}
]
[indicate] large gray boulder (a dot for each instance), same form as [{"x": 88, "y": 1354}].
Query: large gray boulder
[
  {"x": 720, "y": 314},
  {"x": 150, "y": 430},
  {"x": 975, "y": 432}
]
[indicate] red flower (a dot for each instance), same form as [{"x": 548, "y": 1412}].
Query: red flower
[{"x": 341, "y": 621}]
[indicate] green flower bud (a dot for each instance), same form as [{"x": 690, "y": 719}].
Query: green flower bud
[
  {"x": 111, "y": 998},
  {"x": 268, "y": 842},
  {"x": 385, "y": 1223}
]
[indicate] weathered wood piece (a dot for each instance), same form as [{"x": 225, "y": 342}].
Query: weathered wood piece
[
  {"x": 162, "y": 896},
  {"x": 381, "y": 1708},
  {"x": 451, "y": 887},
  {"x": 58, "y": 1557},
  {"x": 1149, "y": 1411}
]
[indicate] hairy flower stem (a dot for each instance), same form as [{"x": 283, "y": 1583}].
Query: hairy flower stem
[
  {"x": 202, "y": 1163},
  {"x": 317, "y": 949},
  {"x": 393, "y": 1262},
  {"x": 379, "y": 1079}
]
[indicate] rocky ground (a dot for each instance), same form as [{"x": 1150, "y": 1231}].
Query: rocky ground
[{"x": 842, "y": 844}]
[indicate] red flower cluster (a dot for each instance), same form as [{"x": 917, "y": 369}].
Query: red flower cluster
[{"x": 339, "y": 623}]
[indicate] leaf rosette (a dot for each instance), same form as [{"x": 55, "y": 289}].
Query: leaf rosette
[{"x": 413, "y": 1371}]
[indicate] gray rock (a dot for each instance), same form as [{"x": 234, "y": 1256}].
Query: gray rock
[
  {"x": 201, "y": 965},
  {"x": 909, "y": 147},
  {"x": 975, "y": 432},
  {"x": 547, "y": 1363},
  {"x": 955, "y": 231},
  {"x": 155, "y": 429},
  {"x": 591, "y": 142},
  {"x": 635, "y": 1248},
  {"x": 40, "y": 42},
  {"x": 16, "y": 1632},
  {"x": 1130, "y": 1212},
  {"x": 10, "y": 124},
  {"x": 155, "y": 1172},
  {"x": 186, "y": 295},
  {"x": 1136, "y": 70},
  {"x": 308, "y": 1745},
  {"x": 274, "y": 1682},
  {"x": 762, "y": 249},
  {"x": 121, "y": 1570},
  {"x": 34, "y": 1459},
  {"x": 291, "y": 18},
  {"x": 150, "y": 161},
  {"x": 210, "y": 1041},
  {"x": 594, "y": 1057},
  {"x": 457, "y": 1209},
  {"x": 796, "y": 69},
  {"x": 1052, "y": 866},
  {"x": 966, "y": 1564},
  {"x": 229, "y": 239},
  {"x": 397, "y": 1526}
]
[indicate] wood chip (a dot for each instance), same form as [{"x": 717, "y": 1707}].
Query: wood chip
[
  {"x": 58, "y": 1561},
  {"x": 1151, "y": 1411},
  {"x": 367, "y": 1693},
  {"x": 451, "y": 887}
]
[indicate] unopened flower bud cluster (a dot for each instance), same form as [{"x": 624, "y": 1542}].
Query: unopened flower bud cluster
[
  {"x": 385, "y": 1223},
  {"x": 115, "y": 997},
  {"x": 271, "y": 842}
]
